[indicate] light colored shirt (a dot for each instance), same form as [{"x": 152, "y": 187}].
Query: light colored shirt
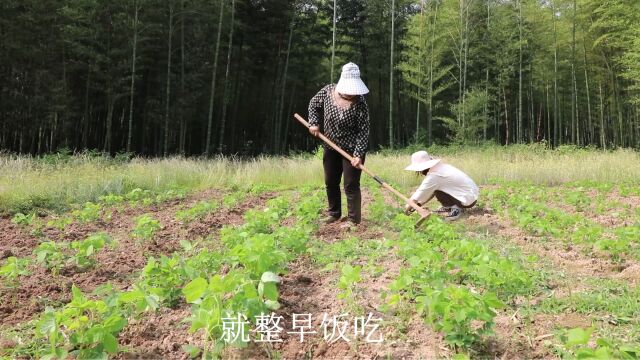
[{"x": 449, "y": 179}]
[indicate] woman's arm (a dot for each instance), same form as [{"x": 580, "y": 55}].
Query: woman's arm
[{"x": 316, "y": 108}]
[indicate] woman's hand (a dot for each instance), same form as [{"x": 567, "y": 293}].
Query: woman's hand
[
  {"x": 314, "y": 130},
  {"x": 356, "y": 162}
]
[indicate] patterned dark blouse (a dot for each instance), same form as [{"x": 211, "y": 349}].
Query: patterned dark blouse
[{"x": 348, "y": 128}]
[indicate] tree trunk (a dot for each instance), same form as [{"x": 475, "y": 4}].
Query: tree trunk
[
  {"x": 168, "y": 90},
  {"x": 574, "y": 95},
  {"x": 333, "y": 42},
  {"x": 213, "y": 82},
  {"x": 133, "y": 73},
  {"x": 183, "y": 124},
  {"x": 111, "y": 101},
  {"x": 431, "y": 61},
  {"x": 603, "y": 142},
  {"x": 506, "y": 116},
  {"x": 590, "y": 132},
  {"x": 393, "y": 17},
  {"x": 519, "y": 130},
  {"x": 555, "y": 78},
  {"x": 284, "y": 82},
  {"x": 85, "y": 120},
  {"x": 226, "y": 95}
]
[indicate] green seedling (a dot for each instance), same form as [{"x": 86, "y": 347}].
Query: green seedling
[
  {"x": 348, "y": 282},
  {"x": 89, "y": 213},
  {"x": 12, "y": 269},
  {"x": 146, "y": 227},
  {"x": 197, "y": 211},
  {"x": 60, "y": 223},
  {"x": 85, "y": 251},
  {"x": 23, "y": 220},
  {"x": 574, "y": 344},
  {"x": 82, "y": 329},
  {"x": 51, "y": 255},
  {"x": 111, "y": 199}
]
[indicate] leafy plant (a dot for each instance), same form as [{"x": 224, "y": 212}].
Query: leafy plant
[
  {"x": 12, "y": 269},
  {"x": 84, "y": 328},
  {"x": 22, "y": 219},
  {"x": 461, "y": 314},
  {"x": 349, "y": 278},
  {"x": 111, "y": 199},
  {"x": 574, "y": 345},
  {"x": 137, "y": 195},
  {"x": 84, "y": 256},
  {"x": 197, "y": 211},
  {"x": 164, "y": 278},
  {"x": 60, "y": 223},
  {"x": 51, "y": 255},
  {"x": 146, "y": 227},
  {"x": 89, "y": 213}
]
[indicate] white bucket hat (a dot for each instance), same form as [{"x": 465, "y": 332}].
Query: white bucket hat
[
  {"x": 421, "y": 161},
  {"x": 350, "y": 82}
]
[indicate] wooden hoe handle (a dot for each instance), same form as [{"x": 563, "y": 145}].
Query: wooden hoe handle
[{"x": 423, "y": 213}]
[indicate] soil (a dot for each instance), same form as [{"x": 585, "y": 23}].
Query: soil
[
  {"x": 562, "y": 256},
  {"x": 118, "y": 265},
  {"x": 305, "y": 288}
]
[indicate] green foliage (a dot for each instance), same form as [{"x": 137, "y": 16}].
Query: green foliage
[
  {"x": 85, "y": 250},
  {"x": 164, "y": 278},
  {"x": 51, "y": 255},
  {"x": 146, "y": 227},
  {"x": 231, "y": 200},
  {"x": 440, "y": 263},
  {"x": 462, "y": 315},
  {"x": 574, "y": 345},
  {"x": 111, "y": 199},
  {"x": 197, "y": 211},
  {"x": 12, "y": 269},
  {"x": 350, "y": 276},
  {"x": 23, "y": 220},
  {"x": 60, "y": 223},
  {"x": 84, "y": 328},
  {"x": 469, "y": 117},
  {"x": 89, "y": 213}
]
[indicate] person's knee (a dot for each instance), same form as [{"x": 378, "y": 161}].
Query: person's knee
[{"x": 352, "y": 188}]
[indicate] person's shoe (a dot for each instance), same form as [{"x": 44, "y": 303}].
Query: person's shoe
[
  {"x": 453, "y": 214},
  {"x": 329, "y": 219},
  {"x": 349, "y": 225},
  {"x": 443, "y": 210}
]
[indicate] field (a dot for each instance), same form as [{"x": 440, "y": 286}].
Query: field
[{"x": 136, "y": 258}]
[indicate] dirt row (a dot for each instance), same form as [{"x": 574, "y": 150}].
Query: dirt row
[
  {"x": 118, "y": 265},
  {"x": 305, "y": 289}
]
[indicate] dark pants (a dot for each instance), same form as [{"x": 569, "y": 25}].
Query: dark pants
[
  {"x": 448, "y": 201},
  {"x": 334, "y": 166}
]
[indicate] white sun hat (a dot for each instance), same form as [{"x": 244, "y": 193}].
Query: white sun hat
[
  {"x": 350, "y": 82},
  {"x": 421, "y": 161}
]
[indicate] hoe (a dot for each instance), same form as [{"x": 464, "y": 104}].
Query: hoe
[{"x": 424, "y": 214}]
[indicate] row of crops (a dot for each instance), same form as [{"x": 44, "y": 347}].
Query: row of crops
[{"x": 458, "y": 285}]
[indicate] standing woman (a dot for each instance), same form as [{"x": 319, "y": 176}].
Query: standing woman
[{"x": 343, "y": 115}]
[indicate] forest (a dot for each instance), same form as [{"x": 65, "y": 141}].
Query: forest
[{"x": 194, "y": 77}]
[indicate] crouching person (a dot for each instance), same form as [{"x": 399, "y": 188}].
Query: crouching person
[{"x": 454, "y": 189}]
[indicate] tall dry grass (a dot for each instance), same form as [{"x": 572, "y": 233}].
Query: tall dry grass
[{"x": 51, "y": 183}]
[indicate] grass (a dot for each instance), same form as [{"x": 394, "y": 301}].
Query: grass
[{"x": 54, "y": 182}]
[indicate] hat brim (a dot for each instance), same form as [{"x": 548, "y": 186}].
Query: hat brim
[
  {"x": 423, "y": 165},
  {"x": 352, "y": 87}
]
